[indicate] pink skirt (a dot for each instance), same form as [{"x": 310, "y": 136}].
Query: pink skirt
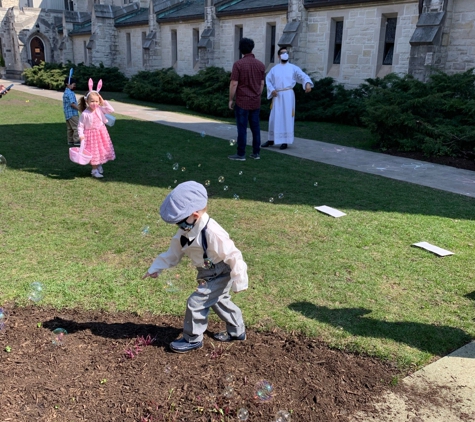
[{"x": 99, "y": 144}]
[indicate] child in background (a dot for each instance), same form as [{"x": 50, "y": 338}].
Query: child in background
[
  {"x": 219, "y": 263},
  {"x": 71, "y": 113},
  {"x": 92, "y": 129}
]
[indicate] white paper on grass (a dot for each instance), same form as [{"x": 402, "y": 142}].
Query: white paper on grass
[
  {"x": 330, "y": 211},
  {"x": 432, "y": 248}
]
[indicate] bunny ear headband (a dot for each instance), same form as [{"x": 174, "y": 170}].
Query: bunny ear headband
[{"x": 91, "y": 84}]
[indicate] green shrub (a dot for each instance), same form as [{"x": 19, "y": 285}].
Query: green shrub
[
  {"x": 208, "y": 92},
  {"x": 51, "y": 76},
  {"x": 2, "y": 61},
  {"x": 160, "y": 86}
]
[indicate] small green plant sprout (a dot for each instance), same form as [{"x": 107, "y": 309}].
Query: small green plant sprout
[
  {"x": 103, "y": 381},
  {"x": 38, "y": 325},
  {"x": 8, "y": 349}
]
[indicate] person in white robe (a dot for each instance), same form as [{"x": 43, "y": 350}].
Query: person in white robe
[{"x": 280, "y": 82}]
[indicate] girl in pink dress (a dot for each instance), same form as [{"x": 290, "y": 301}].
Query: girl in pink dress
[{"x": 92, "y": 130}]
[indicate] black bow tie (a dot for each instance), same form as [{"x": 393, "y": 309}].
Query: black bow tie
[{"x": 185, "y": 241}]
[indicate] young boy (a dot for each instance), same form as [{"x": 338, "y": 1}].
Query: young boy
[
  {"x": 71, "y": 113},
  {"x": 219, "y": 263}
]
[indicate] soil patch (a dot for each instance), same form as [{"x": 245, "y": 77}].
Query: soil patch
[{"x": 106, "y": 371}]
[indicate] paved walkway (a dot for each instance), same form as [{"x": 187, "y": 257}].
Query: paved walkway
[{"x": 453, "y": 377}]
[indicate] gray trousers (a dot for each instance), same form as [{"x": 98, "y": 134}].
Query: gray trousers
[{"x": 216, "y": 295}]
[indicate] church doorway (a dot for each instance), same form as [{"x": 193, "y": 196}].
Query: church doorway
[{"x": 37, "y": 49}]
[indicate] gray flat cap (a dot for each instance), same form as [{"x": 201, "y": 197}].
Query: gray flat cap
[{"x": 182, "y": 201}]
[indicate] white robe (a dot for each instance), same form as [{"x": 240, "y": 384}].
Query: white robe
[{"x": 282, "y": 78}]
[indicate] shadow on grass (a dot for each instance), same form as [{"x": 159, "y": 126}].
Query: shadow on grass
[
  {"x": 126, "y": 330},
  {"x": 150, "y": 154},
  {"x": 436, "y": 340}
]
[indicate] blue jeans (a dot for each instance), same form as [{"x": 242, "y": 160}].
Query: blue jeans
[{"x": 242, "y": 117}]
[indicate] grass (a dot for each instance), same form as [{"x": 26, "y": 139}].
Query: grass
[{"x": 354, "y": 282}]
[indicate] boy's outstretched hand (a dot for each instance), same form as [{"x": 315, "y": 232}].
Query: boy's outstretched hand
[{"x": 153, "y": 275}]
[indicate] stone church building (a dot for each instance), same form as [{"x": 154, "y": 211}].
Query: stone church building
[{"x": 349, "y": 40}]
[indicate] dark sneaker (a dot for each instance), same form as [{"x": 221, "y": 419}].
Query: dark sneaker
[
  {"x": 236, "y": 157},
  {"x": 183, "y": 346},
  {"x": 267, "y": 144},
  {"x": 255, "y": 156},
  {"x": 224, "y": 336},
  {"x": 283, "y": 146}
]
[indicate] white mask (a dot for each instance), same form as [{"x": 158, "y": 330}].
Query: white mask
[{"x": 284, "y": 56}]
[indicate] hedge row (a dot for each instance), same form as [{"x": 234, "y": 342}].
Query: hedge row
[{"x": 436, "y": 117}]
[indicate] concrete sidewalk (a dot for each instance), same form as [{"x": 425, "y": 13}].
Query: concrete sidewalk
[
  {"x": 452, "y": 378},
  {"x": 435, "y": 176}
]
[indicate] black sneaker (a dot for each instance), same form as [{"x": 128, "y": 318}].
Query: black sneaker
[
  {"x": 267, "y": 144},
  {"x": 225, "y": 337},
  {"x": 283, "y": 146},
  {"x": 255, "y": 156},
  {"x": 236, "y": 157}
]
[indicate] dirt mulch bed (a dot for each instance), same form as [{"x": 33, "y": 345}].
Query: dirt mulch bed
[{"x": 93, "y": 377}]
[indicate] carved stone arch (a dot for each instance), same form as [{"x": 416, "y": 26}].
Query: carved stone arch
[{"x": 39, "y": 49}]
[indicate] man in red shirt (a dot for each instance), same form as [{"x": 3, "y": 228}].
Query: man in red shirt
[{"x": 245, "y": 89}]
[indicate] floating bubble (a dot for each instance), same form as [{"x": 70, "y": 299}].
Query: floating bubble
[
  {"x": 169, "y": 156},
  {"x": 171, "y": 287},
  {"x": 263, "y": 390},
  {"x": 36, "y": 291},
  {"x": 236, "y": 196},
  {"x": 254, "y": 179},
  {"x": 58, "y": 336},
  {"x": 3, "y": 318},
  {"x": 145, "y": 231},
  {"x": 202, "y": 286},
  {"x": 207, "y": 182},
  {"x": 169, "y": 187},
  {"x": 243, "y": 414},
  {"x": 175, "y": 181},
  {"x": 3, "y": 163},
  {"x": 240, "y": 173},
  {"x": 183, "y": 169},
  {"x": 167, "y": 369},
  {"x": 228, "y": 392},
  {"x": 225, "y": 187},
  {"x": 175, "y": 166},
  {"x": 271, "y": 199},
  {"x": 282, "y": 416},
  {"x": 315, "y": 184},
  {"x": 232, "y": 142},
  {"x": 228, "y": 379},
  {"x": 199, "y": 165},
  {"x": 280, "y": 196},
  {"x": 203, "y": 134},
  {"x": 221, "y": 179}
]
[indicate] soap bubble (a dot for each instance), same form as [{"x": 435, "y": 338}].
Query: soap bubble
[
  {"x": 271, "y": 199},
  {"x": 225, "y": 187},
  {"x": 315, "y": 184},
  {"x": 232, "y": 142},
  {"x": 221, "y": 179},
  {"x": 282, "y": 416},
  {"x": 203, "y": 134},
  {"x": 145, "y": 231},
  {"x": 202, "y": 285},
  {"x": 183, "y": 169},
  {"x": 228, "y": 379},
  {"x": 240, "y": 173},
  {"x": 3, "y": 318},
  {"x": 58, "y": 336},
  {"x": 175, "y": 181},
  {"x": 207, "y": 182},
  {"x": 243, "y": 414},
  {"x": 254, "y": 179},
  {"x": 280, "y": 196},
  {"x": 3, "y": 163},
  {"x": 171, "y": 287},
  {"x": 199, "y": 165},
  {"x": 228, "y": 392},
  {"x": 36, "y": 291},
  {"x": 169, "y": 156},
  {"x": 169, "y": 187},
  {"x": 263, "y": 390},
  {"x": 175, "y": 166},
  {"x": 236, "y": 196}
]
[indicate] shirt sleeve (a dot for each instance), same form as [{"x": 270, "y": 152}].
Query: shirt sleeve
[
  {"x": 81, "y": 127},
  {"x": 225, "y": 249},
  {"x": 168, "y": 259},
  {"x": 301, "y": 77},
  {"x": 107, "y": 108},
  {"x": 270, "y": 84}
]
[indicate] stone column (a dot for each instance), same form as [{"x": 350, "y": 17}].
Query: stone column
[{"x": 206, "y": 42}]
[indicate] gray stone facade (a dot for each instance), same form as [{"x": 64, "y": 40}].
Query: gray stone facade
[{"x": 347, "y": 40}]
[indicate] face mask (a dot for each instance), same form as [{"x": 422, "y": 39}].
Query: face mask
[
  {"x": 284, "y": 56},
  {"x": 186, "y": 226}
]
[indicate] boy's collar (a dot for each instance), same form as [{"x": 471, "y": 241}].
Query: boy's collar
[{"x": 195, "y": 231}]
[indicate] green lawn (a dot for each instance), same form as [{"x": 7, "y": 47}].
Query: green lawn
[{"x": 354, "y": 282}]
